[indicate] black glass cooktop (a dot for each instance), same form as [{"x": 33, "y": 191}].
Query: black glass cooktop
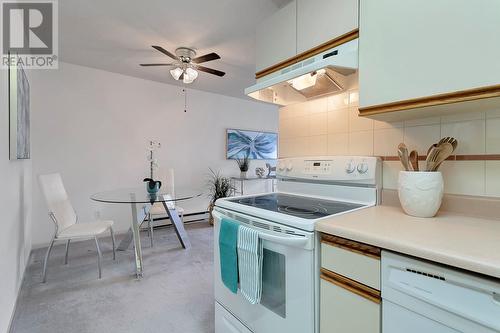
[{"x": 304, "y": 207}]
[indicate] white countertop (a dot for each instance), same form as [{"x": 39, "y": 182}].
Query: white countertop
[{"x": 456, "y": 240}]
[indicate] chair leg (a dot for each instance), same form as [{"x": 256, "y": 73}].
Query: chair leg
[
  {"x": 99, "y": 255},
  {"x": 150, "y": 224},
  {"x": 44, "y": 273},
  {"x": 67, "y": 250},
  {"x": 113, "y": 241}
]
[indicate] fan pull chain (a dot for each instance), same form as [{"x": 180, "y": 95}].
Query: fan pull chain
[{"x": 185, "y": 99}]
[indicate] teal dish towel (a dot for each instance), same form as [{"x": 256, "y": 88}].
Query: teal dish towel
[
  {"x": 250, "y": 251},
  {"x": 228, "y": 241}
]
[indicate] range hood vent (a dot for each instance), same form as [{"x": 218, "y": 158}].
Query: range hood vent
[
  {"x": 322, "y": 83},
  {"x": 323, "y": 74}
]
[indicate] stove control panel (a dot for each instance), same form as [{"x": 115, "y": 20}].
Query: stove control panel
[
  {"x": 317, "y": 167},
  {"x": 365, "y": 169}
]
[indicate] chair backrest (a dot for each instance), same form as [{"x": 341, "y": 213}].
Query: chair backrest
[
  {"x": 166, "y": 176},
  {"x": 57, "y": 200}
]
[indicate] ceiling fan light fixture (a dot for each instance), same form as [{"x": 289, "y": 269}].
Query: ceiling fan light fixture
[
  {"x": 186, "y": 65},
  {"x": 190, "y": 74},
  {"x": 176, "y": 73}
]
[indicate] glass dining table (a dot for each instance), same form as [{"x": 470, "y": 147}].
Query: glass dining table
[{"x": 140, "y": 198}]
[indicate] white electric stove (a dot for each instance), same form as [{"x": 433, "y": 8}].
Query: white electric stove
[{"x": 308, "y": 190}]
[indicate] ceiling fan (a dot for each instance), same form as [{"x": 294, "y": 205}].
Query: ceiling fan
[{"x": 186, "y": 64}]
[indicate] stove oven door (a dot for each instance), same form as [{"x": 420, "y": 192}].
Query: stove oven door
[{"x": 287, "y": 303}]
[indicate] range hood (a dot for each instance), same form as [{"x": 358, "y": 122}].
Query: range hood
[{"x": 320, "y": 75}]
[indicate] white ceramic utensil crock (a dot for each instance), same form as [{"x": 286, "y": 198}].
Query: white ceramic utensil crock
[{"x": 420, "y": 193}]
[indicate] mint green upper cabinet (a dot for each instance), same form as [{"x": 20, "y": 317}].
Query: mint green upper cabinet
[
  {"x": 415, "y": 49},
  {"x": 276, "y": 37},
  {"x": 319, "y": 21}
]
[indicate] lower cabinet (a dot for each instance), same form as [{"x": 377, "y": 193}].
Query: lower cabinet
[
  {"x": 342, "y": 310},
  {"x": 346, "y": 303}
]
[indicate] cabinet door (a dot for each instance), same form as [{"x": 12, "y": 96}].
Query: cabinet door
[
  {"x": 276, "y": 37},
  {"x": 344, "y": 311},
  {"x": 413, "y": 49},
  {"x": 319, "y": 21}
]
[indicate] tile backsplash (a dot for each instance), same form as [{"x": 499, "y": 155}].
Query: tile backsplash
[{"x": 331, "y": 126}]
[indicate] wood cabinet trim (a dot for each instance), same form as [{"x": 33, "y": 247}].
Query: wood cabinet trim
[
  {"x": 441, "y": 99},
  {"x": 307, "y": 54},
  {"x": 351, "y": 285},
  {"x": 349, "y": 245}
]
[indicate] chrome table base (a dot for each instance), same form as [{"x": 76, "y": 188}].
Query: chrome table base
[{"x": 133, "y": 233}]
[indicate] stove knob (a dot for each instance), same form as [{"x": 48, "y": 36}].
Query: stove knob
[
  {"x": 289, "y": 167},
  {"x": 349, "y": 168},
  {"x": 281, "y": 166},
  {"x": 362, "y": 167}
]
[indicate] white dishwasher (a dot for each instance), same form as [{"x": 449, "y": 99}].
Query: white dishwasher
[{"x": 418, "y": 296}]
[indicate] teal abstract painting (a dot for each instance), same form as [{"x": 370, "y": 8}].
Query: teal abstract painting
[{"x": 256, "y": 145}]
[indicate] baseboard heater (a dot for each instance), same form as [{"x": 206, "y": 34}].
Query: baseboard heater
[{"x": 188, "y": 218}]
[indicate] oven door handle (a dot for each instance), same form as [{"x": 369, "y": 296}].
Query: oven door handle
[
  {"x": 296, "y": 241},
  {"x": 289, "y": 240}
]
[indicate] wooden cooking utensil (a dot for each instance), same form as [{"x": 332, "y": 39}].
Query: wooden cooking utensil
[
  {"x": 445, "y": 150},
  {"x": 431, "y": 157},
  {"x": 414, "y": 160},
  {"x": 430, "y": 148},
  {"x": 438, "y": 155},
  {"x": 403, "y": 156},
  {"x": 452, "y": 141}
]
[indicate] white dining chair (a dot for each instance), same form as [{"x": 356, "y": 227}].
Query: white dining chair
[
  {"x": 166, "y": 176},
  {"x": 62, "y": 213}
]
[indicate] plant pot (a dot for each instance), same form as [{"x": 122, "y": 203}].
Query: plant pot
[
  {"x": 243, "y": 174},
  {"x": 420, "y": 193},
  {"x": 153, "y": 188}
]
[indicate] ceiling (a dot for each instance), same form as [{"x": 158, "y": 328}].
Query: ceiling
[{"x": 116, "y": 35}]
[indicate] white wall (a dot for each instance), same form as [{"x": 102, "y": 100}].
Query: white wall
[
  {"x": 93, "y": 126},
  {"x": 15, "y": 204}
]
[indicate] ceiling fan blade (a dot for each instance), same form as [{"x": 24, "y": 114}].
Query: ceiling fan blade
[
  {"x": 210, "y": 70},
  {"x": 205, "y": 58},
  {"x": 147, "y": 65},
  {"x": 162, "y": 50}
]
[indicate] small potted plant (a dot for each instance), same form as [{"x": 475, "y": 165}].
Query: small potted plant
[
  {"x": 243, "y": 164},
  {"x": 219, "y": 187}
]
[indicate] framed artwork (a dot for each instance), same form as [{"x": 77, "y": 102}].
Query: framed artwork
[
  {"x": 256, "y": 145},
  {"x": 19, "y": 114}
]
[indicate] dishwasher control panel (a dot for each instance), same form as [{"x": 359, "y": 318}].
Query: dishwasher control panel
[{"x": 420, "y": 296}]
